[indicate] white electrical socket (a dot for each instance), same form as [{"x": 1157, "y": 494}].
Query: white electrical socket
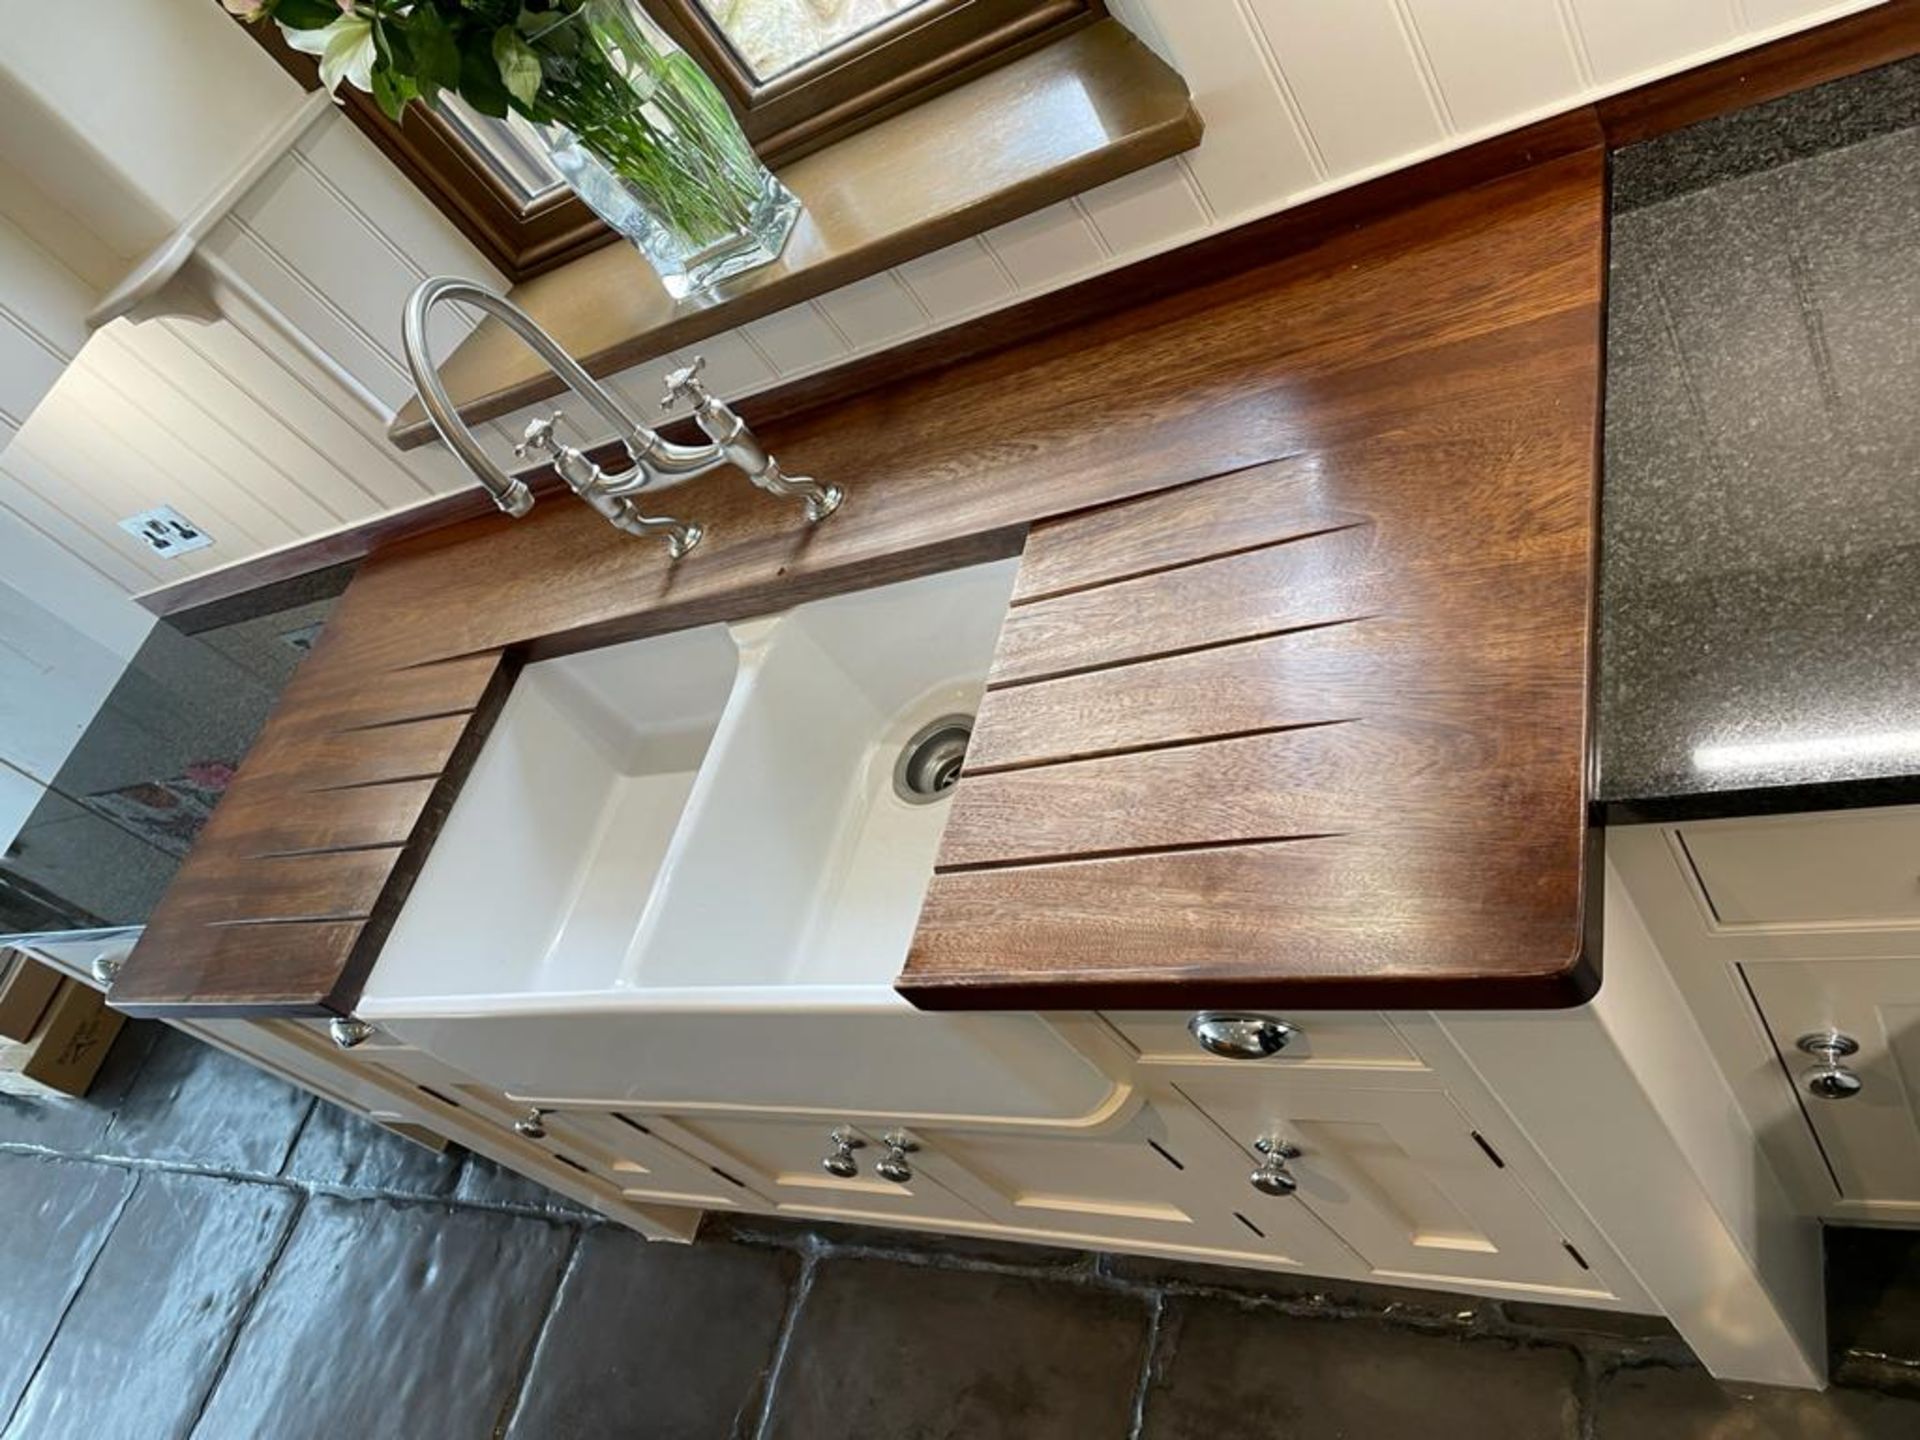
[{"x": 166, "y": 531}]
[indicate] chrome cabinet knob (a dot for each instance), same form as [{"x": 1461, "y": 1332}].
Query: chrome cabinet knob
[
  {"x": 893, "y": 1165},
  {"x": 1273, "y": 1178},
  {"x": 841, "y": 1163},
  {"x": 1236, "y": 1036},
  {"x": 532, "y": 1125},
  {"x": 348, "y": 1031},
  {"x": 1830, "y": 1080}
]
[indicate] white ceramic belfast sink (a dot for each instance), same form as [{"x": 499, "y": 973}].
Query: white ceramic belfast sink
[{"x": 680, "y": 875}]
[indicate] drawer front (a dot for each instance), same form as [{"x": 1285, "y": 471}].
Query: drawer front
[
  {"x": 783, "y": 1160},
  {"x": 1868, "y": 1136},
  {"x": 1400, "y": 1175},
  {"x": 1320, "y": 1037},
  {"x": 1857, "y": 867}
]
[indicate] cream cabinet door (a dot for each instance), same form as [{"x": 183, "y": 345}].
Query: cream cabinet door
[
  {"x": 1166, "y": 1179},
  {"x": 785, "y": 1161},
  {"x": 1869, "y": 1133},
  {"x": 1400, "y": 1175},
  {"x": 625, "y": 1151},
  {"x": 615, "y": 1149}
]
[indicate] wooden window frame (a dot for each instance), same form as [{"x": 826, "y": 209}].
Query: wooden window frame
[
  {"x": 912, "y": 58},
  {"x": 520, "y": 240}
]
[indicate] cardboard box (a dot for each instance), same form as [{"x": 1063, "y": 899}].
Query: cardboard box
[
  {"x": 62, "y": 1056},
  {"x": 26, "y": 989}
]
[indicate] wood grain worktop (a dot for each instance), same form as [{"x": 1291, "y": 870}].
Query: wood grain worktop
[{"x": 1291, "y": 707}]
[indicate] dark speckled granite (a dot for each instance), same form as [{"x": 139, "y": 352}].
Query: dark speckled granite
[{"x": 1761, "y": 512}]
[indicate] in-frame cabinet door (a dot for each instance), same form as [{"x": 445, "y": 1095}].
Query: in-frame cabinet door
[
  {"x": 615, "y": 1149},
  {"x": 1848, "y": 1032},
  {"x": 1165, "y": 1178},
  {"x": 625, "y": 1151},
  {"x": 1399, "y": 1173}
]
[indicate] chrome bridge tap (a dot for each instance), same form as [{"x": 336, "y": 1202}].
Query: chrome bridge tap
[{"x": 657, "y": 462}]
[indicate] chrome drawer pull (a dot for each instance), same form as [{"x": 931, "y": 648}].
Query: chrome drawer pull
[{"x": 1235, "y": 1036}]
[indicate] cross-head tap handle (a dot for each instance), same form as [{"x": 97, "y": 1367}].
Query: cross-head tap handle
[
  {"x": 684, "y": 384},
  {"x": 538, "y": 436}
]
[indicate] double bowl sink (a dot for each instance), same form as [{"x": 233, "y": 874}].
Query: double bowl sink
[{"x": 685, "y": 871}]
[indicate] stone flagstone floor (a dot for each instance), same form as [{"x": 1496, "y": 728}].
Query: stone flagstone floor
[{"x": 199, "y": 1250}]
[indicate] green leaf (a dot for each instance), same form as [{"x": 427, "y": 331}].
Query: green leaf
[
  {"x": 390, "y": 42},
  {"x": 306, "y": 14},
  {"x": 519, "y": 66},
  {"x": 437, "y": 62},
  {"x": 549, "y": 29},
  {"x": 393, "y": 92},
  {"x": 480, "y": 84}
]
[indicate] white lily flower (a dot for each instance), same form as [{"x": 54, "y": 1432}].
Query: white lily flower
[{"x": 345, "y": 49}]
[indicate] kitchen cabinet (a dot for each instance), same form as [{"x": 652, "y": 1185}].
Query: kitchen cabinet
[
  {"x": 1848, "y": 1032},
  {"x": 1164, "y": 1179},
  {"x": 1356, "y": 1038},
  {"x": 785, "y": 1161},
  {"x": 1399, "y": 1173},
  {"x": 1784, "y": 928},
  {"x": 609, "y": 1148},
  {"x": 1853, "y": 867}
]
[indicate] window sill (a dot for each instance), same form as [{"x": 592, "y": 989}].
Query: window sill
[{"x": 1087, "y": 109}]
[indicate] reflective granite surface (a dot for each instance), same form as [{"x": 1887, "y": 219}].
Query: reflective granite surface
[
  {"x": 105, "y": 838},
  {"x": 1760, "y": 596}
]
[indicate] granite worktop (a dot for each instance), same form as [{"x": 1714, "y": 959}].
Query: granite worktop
[
  {"x": 1760, "y": 590},
  {"x": 105, "y": 837}
]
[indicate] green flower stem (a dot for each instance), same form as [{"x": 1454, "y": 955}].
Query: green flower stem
[{"x": 655, "y": 120}]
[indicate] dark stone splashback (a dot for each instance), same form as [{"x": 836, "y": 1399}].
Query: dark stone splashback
[
  {"x": 106, "y": 837},
  {"x": 1760, "y": 606}
]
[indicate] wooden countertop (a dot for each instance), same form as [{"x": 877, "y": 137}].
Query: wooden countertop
[{"x": 1291, "y": 709}]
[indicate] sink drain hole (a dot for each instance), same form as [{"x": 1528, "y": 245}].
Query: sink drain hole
[{"x": 929, "y": 764}]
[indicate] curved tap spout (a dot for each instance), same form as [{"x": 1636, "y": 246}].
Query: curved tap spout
[
  {"x": 510, "y": 494},
  {"x": 657, "y": 461}
]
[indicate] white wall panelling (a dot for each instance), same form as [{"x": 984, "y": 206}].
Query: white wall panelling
[
  {"x": 1628, "y": 38},
  {"x": 795, "y": 341},
  {"x": 951, "y": 284},
  {"x": 1048, "y": 248},
  {"x": 1147, "y": 210},
  {"x": 1301, "y": 97},
  {"x": 873, "y": 313},
  {"x": 1492, "y": 59},
  {"x": 1358, "y": 75}
]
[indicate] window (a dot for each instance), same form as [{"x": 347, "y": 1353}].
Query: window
[
  {"x": 775, "y": 36},
  {"x": 489, "y": 177},
  {"x": 799, "y": 73},
  {"x": 509, "y": 149},
  {"x": 804, "y": 73}
]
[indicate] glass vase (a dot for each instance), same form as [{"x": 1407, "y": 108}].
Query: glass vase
[{"x": 644, "y": 137}]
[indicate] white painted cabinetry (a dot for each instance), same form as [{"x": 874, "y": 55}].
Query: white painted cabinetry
[
  {"x": 1860, "y": 1103},
  {"x": 1795, "y": 938},
  {"x": 1403, "y": 1173},
  {"x": 1402, "y": 1176},
  {"x": 1163, "y": 1179}
]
